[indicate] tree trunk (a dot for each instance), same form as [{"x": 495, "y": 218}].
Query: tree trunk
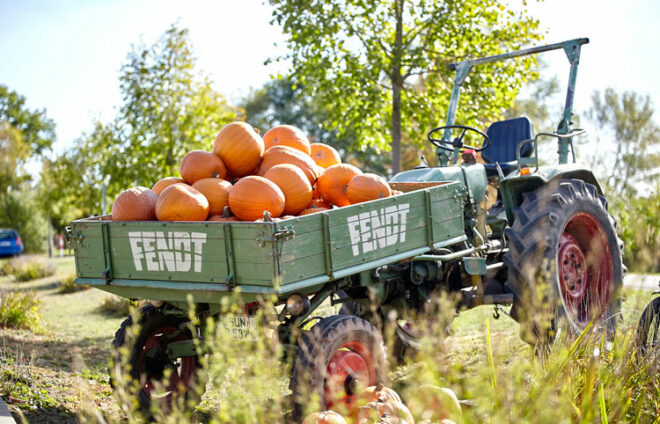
[{"x": 397, "y": 85}]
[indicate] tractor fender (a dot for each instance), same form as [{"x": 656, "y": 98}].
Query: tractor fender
[{"x": 514, "y": 185}]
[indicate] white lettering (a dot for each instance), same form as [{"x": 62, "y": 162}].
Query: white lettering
[
  {"x": 378, "y": 229},
  {"x": 134, "y": 238},
  {"x": 353, "y": 222},
  {"x": 178, "y": 251},
  {"x": 365, "y": 233}
]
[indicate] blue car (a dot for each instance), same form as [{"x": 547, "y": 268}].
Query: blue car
[{"x": 10, "y": 242}]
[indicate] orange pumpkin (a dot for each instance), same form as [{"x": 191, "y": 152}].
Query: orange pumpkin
[
  {"x": 332, "y": 184},
  {"x": 284, "y": 154},
  {"x": 253, "y": 195},
  {"x": 312, "y": 210},
  {"x": 325, "y": 155},
  {"x": 318, "y": 203},
  {"x": 240, "y": 148},
  {"x": 164, "y": 183},
  {"x": 379, "y": 391},
  {"x": 216, "y": 191},
  {"x": 365, "y": 187},
  {"x": 325, "y": 417},
  {"x": 226, "y": 216},
  {"x": 287, "y": 135},
  {"x": 222, "y": 218},
  {"x": 199, "y": 164},
  {"x": 294, "y": 184},
  {"x": 384, "y": 412},
  {"x": 180, "y": 202},
  {"x": 135, "y": 204}
]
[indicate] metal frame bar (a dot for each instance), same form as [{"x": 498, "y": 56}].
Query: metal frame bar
[{"x": 572, "y": 50}]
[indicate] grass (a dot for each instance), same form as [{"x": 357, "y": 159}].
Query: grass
[
  {"x": 28, "y": 267},
  {"x": 60, "y": 374}
]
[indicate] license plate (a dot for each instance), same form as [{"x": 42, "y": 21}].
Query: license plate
[
  {"x": 239, "y": 327},
  {"x": 5, "y": 243}
]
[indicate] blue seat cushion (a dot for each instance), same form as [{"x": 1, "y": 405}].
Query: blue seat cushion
[{"x": 504, "y": 138}]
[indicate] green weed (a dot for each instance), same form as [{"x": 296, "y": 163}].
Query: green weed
[
  {"x": 19, "y": 310},
  {"x": 28, "y": 268},
  {"x": 68, "y": 285}
]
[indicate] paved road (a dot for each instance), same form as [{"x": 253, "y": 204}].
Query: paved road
[
  {"x": 5, "y": 416},
  {"x": 642, "y": 281}
]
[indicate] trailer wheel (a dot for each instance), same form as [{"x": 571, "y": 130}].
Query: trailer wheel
[
  {"x": 564, "y": 261},
  {"x": 648, "y": 331},
  {"x": 148, "y": 361},
  {"x": 337, "y": 356}
]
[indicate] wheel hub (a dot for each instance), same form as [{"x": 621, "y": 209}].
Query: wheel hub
[
  {"x": 585, "y": 269},
  {"x": 349, "y": 367},
  {"x": 572, "y": 268}
]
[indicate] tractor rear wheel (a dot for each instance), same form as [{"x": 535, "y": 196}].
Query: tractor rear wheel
[
  {"x": 335, "y": 358},
  {"x": 564, "y": 261}
]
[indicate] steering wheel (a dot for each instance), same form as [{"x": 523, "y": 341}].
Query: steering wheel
[{"x": 458, "y": 141}]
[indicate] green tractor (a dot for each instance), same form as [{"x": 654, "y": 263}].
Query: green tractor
[{"x": 547, "y": 246}]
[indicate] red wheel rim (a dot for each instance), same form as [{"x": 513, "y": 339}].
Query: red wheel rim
[
  {"x": 154, "y": 351},
  {"x": 350, "y": 364},
  {"x": 585, "y": 269}
]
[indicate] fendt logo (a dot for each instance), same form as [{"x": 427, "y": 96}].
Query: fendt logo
[
  {"x": 174, "y": 251},
  {"x": 378, "y": 229}
]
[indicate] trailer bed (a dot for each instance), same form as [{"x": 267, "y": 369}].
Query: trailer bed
[{"x": 171, "y": 260}]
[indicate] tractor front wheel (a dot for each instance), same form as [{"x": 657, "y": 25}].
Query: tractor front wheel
[
  {"x": 564, "y": 261},
  {"x": 338, "y": 356}
]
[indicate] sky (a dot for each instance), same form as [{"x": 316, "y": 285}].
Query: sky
[{"x": 65, "y": 55}]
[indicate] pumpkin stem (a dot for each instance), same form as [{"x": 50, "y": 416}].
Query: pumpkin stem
[{"x": 226, "y": 212}]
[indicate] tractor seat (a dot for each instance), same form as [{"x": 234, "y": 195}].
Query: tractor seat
[{"x": 504, "y": 138}]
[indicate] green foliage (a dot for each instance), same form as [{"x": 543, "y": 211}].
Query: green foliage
[
  {"x": 167, "y": 110},
  {"x": 27, "y": 268},
  {"x": 280, "y": 101},
  {"x": 19, "y": 310},
  {"x": 20, "y": 211},
  {"x": 68, "y": 285},
  {"x": 34, "y": 127},
  {"x": 380, "y": 67},
  {"x": 639, "y": 228},
  {"x": 626, "y": 120},
  {"x": 115, "y": 306},
  {"x": 532, "y": 101}
]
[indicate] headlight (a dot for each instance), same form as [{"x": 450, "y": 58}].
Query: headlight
[{"x": 297, "y": 304}]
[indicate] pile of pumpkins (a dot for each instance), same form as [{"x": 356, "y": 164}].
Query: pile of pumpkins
[
  {"x": 379, "y": 404},
  {"x": 248, "y": 177}
]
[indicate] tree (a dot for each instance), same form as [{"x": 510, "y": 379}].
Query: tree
[
  {"x": 167, "y": 110},
  {"x": 279, "y": 101},
  {"x": 627, "y": 120},
  {"x": 380, "y": 66},
  {"x": 24, "y": 134},
  {"x": 36, "y": 129}
]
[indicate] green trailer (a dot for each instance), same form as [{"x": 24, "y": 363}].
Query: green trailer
[
  {"x": 208, "y": 260},
  {"x": 544, "y": 243}
]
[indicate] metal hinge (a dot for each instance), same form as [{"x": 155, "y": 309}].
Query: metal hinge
[{"x": 282, "y": 234}]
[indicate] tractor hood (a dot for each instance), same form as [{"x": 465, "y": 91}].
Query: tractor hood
[{"x": 473, "y": 177}]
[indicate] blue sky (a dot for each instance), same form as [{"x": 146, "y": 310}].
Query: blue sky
[{"x": 65, "y": 56}]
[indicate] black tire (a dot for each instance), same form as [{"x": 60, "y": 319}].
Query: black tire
[
  {"x": 332, "y": 343},
  {"x": 154, "y": 327},
  {"x": 564, "y": 262},
  {"x": 648, "y": 331}
]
